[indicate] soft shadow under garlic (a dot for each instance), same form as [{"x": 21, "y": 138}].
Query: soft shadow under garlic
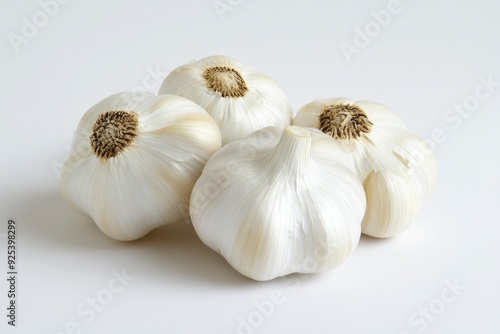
[
  {"x": 172, "y": 252},
  {"x": 169, "y": 253},
  {"x": 175, "y": 251},
  {"x": 47, "y": 221}
]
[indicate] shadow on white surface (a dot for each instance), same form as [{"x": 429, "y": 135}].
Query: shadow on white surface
[
  {"x": 172, "y": 253},
  {"x": 366, "y": 239},
  {"x": 168, "y": 253}
]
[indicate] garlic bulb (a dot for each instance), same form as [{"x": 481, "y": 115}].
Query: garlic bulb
[
  {"x": 398, "y": 170},
  {"x": 239, "y": 99},
  {"x": 279, "y": 202},
  {"x": 134, "y": 160}
]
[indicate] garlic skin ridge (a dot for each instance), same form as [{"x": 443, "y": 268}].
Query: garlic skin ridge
[
  {"x": 238, "y": 98},
  {"x": 398, "y": 170},
  {"x": 134, "y": 160},
  {"x": 287, "y": 205}
]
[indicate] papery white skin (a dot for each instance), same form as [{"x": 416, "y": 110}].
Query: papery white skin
[
  {"x": 148, "y": 184},
  {"x": 397, "y": 169},
  {"x": 264, "y": 104},
  {"x": 279, "y": 202}
]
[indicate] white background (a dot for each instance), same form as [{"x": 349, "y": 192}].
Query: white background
[{"x": 428, "y": 58}]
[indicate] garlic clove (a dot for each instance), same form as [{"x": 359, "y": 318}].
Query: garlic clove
[
  {"x": 134, "y": 160},
  {"x": 238, "y": 98},
  {"x": 274, "y": 203},
  {"x": 397, "y": 169}
]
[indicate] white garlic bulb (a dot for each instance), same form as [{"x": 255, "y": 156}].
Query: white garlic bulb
[
  {"x": 238, "y": 98},
  {"x": 134, "y": 160},
  {"x": 398, "y": 170},
  {"x": 279, "y": 202}
]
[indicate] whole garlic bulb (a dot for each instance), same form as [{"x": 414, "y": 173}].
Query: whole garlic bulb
[
  {"x": 238, "y": 98},
  {"x": 279, "y": 202},
  {"x": 134, "y": 160},
  {"x": 397, "y": 169}
]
